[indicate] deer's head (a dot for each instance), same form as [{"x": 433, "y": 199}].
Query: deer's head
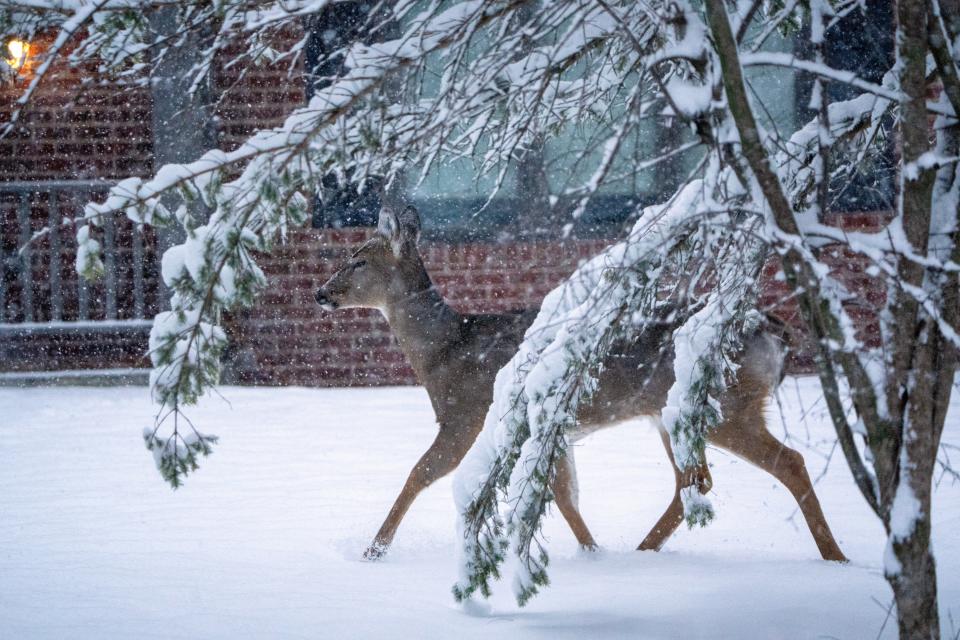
[{"x": 386, "y": 267}]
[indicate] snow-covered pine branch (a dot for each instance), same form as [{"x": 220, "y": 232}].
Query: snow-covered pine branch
[
  {"x": 356, "y": 126},
  {"x": 608, "y": 300},
  {"x": 534, "y": 437},
  {"x": 898, "y": 392}
]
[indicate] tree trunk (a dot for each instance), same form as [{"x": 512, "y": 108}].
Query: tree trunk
[
  {"x": 903, "y": 445},
  {"x": 914, "y": 341},
  {"x": 182, "y": 124},
  {"x": 915, "y": 586},
  {"x": 913, "y": 575},
  {"x": 533, "y": 190}
]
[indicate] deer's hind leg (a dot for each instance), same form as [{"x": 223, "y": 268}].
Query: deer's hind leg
[
  {"x": 673, "y": 516},
  {"x": 746, "y": 436},
  {"x": 565, "y": 493}
]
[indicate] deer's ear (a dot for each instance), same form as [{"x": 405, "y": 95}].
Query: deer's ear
[
  {"x": 400, "y": 229},
  {"x": 389, "y": 227}
]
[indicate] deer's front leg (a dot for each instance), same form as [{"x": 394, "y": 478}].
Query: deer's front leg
[{"x": 441, "y": 458}]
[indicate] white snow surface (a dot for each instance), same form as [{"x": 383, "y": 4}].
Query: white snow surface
[{"x": 265, "y": 540}]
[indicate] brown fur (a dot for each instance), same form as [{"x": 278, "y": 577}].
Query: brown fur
[{"x": 456, "y": 357}]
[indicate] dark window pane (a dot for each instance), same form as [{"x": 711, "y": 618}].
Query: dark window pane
[{"x": 862, "y": 42}]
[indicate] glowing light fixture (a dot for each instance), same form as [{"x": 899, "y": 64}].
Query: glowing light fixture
[{"x": 18, "y": 50}]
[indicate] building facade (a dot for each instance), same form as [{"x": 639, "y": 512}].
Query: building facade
[{"x": 82, "y": 133}]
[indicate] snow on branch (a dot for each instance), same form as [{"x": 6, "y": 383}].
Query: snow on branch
[
  {"x": 537, "y": 395},
  {"x": 258, "y": 191}
]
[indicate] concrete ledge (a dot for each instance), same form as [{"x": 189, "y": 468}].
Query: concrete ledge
[
  {"x": 76, "y": 378},
  {"x": 9, "y": 330},
  {"x": 74, "y": 346}
]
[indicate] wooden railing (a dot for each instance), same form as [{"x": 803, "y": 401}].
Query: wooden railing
[{"x": 38, "y": 280}]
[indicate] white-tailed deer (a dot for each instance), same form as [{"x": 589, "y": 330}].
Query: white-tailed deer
[{"x": 456, "y": 357}]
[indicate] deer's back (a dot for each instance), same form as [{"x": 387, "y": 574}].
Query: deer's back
[
  {"x": 634, "y": 379},
  {"x": 638, "y": 374}
]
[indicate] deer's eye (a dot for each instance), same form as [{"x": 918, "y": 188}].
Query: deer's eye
[{"x": 359, "y": 263}]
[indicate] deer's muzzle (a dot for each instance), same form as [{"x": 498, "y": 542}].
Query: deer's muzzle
[{"x": 325, "y": 302}]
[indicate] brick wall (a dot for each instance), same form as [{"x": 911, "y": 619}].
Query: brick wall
[
  {"x": 73, "y": 139},
  {"x": 31, "y": 348},
  {"x": 256, "y": 97},
  {"x": 287, "y": 339},
  {"x": 867, "y": 294},
  {"x": 76, "y": 129}
]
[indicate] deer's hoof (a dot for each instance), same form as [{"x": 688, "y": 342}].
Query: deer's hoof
[{"x": 375, "y": 552}]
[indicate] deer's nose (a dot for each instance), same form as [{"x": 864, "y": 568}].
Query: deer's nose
[{"x": 324, "y": 300}]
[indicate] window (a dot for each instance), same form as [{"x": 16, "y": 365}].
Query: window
[
  {"x": 863, "y": 42},
  {"x": 453, "y": 201}
]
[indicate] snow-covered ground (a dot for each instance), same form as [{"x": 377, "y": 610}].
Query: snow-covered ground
[{"x": 265, "y": 540}]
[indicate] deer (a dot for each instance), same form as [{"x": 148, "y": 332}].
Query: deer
[{"x": 456, "y": 357}]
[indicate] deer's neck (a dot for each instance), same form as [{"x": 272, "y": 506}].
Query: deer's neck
[{"x": 425, "y": 326}]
